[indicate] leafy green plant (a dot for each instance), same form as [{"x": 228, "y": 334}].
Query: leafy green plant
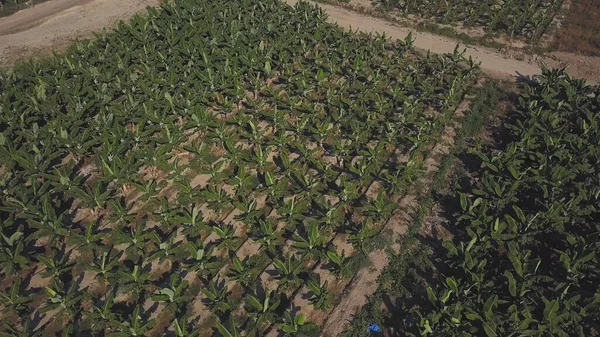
[
  {"x": 12, "y": 299},
  {"x": 67, "y": 301},
  {"x": 288, "y": 271},
  {"x": 313, "y": 244},
  {"x": 174, "y": 294},
  {"x": 11, "y": 257},
  {"x": 262, "y": 309},
  {"x": 182, "y": 328},
  {"x": 217, "y": 296},
  {"x": 135, "y": 327},
  {"x": 296, "y": 325},
  {"x": 201, "y": 261},
  {"x": 339, "y": 262},
  {"x": 232, "y": 331},
  {"x": 319, "y": 294}
]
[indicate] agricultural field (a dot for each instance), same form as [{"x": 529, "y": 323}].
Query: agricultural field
[
  {"x": 211, "y": 168},
  {"x": 527, "y": 19},
  {"x": 520, "y": 253}
]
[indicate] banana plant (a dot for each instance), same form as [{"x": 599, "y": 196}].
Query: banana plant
[
  {"x": 170, "y": 249},
  {"x": 120, "y": 214},
  {"x": 48, "y": 222},
  {"x": 226, "y": 233},
  {"x": 262, "y": 309},
  {"x": 242, "y": 271},
  {"x": 241, "y": 181},
  {"x": 360, "y": 233},
  {"x": 95, "y": 197},
  {"x": 118, "y": 170},
  {"x": 215, "y": 171},
  {"x": 89, "y": 240},
  {"x": 201, "y": 261},
  {"x": 248, "y": 207},
  {"x": 136, "y": 240},
  {"x": 231, "y": 331},
  {"x": 149, "y": 190},
  {"x": 216, "y": 294},
  {"x": 339, "y": 262},
  {"x": 319, "y": 296},
  {"x": 56, "y": 265},
  {"x": 313, "y": 244},
  {"x": 174, "y": 294},
  {"x": 137, "y": 326},
  {"x": 67, "y": 301},
  {"x": 382, "y": 207},
  {"x": 192, "y": 219},
  {"x": 267, "y": 235},
  {"x": 102, "y": 316},
  {"x": 105, "y": 264},
  {"x": 134, "y": 281},
  {"x": 12, "y": 257},
  {"x": 288, "y": 271},
  {"x": 292, "y": 210},
  {"x": 12, "y": 301},
  {"x": 216, "y": 197},
  {"x": 184, "y": 329},
  {"x": 64, "y": 177},
  {"x": 25, "y": 329},
  {"x": 296, "y": 325}
]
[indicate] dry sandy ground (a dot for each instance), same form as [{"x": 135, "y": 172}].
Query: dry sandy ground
[{"x": 54, "y": 24}]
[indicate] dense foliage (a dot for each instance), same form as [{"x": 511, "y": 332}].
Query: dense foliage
[
  {"x": 530, "y": 264},
  {"x": 522, "y": 18},
  {"x": 194, "y": 170},
  {"x": 524, "y": 257}
]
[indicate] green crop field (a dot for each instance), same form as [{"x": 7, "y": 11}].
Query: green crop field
[
  {"x": 520, "y": 18},
  {"x": 207, "y": 168}
]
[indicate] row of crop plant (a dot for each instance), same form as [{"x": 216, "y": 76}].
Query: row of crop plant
[{"x": 516, "y": 18}]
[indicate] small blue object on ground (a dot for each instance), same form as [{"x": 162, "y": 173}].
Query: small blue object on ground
[{"x": 374, "y": 328}]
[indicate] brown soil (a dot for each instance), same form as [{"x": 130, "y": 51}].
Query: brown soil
[{"x": 580, "y": 30}]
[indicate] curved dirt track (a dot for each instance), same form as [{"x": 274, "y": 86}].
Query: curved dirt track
[{"x": 52, "y": 25}]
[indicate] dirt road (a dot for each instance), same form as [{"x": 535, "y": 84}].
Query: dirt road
[{"x": 491, "y": 61}]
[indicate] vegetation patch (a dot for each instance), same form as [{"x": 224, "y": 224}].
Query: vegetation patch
[
  {"x": 523, "y": 257},
  {"x": 192, "y": 171},
  {"x": 8, "y": 7},
  {"x": 515, "y": 18}
]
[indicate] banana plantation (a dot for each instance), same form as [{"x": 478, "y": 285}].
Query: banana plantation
[
  {"x": 198, "y": 169},
  {"x": 527, "y": 19},
  {"x": 524, "y": 257}
]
